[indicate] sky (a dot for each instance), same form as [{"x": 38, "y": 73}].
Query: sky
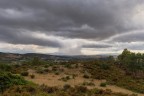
[{"x": 71, "y": 27}]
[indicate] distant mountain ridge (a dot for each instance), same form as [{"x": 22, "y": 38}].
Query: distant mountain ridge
[{"x": 15, "y": 56}]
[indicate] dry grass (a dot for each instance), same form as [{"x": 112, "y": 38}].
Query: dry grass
[{"x": 51, "y": 79}]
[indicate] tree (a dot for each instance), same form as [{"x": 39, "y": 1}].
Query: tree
[
  {"x": 111, "y": 59},
  {"x": 132, "y": 62},
  {"x": 124, "y": 58}
]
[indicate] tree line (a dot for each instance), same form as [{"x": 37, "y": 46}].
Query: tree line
[{"x": 133, "y": 63}]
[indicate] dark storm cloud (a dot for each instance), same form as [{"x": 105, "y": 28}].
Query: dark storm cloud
[
  {"x": 13, "y": 36},
  {"x": 97, "y": 46},
  {"x": 131, "y": 37},
  {"x": 86, "y": 19}
]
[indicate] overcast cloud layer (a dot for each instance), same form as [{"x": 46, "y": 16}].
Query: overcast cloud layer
[{"x": 71, "y": 27}]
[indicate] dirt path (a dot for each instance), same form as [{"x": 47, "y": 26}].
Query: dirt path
[{"x": 53, "y": 80}]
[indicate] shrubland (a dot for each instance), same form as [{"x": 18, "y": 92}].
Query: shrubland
[{"x": 127, "y": 71}]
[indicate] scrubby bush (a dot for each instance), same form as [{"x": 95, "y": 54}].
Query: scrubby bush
[
  {"x": 108, "y": 91},
  {"x": 62, "y": 93},
  {"x": 88, "y": 84},
  {"x": 32, "y": 76},
  {"x": 57, "y": 73},
  {"x": 46, "y": 66},
  {"x": 66, "y": 86},
  {"x": 24, "y": 73},
  {"x": 97, "y": 91},
  {"x": 66, "y": 78},
  {"x": 105, "y": 66},
  {"x": 81, "y": 89},
  {"x": 54, "y": 68},
  {"x": 46, "y": 70},
  {"x": 17, "y": 65},
  {"x": 86, "y": 76},
  {"x": 133, "y": 95},
  {"x": 48, "y": 89},
  {"x": 36, "y": 61},
  {"x": 74, "y": 76},
  {"x": 40, "y": 70},
  {"x": 5, "y": 67},
  {"x": 22, "y": 90},
  {"x": 8, "y": 79},
  {"x": 103, "y": 84},
  {"x": 68, "y": 66},
  {"x": 43, "y": 90}
]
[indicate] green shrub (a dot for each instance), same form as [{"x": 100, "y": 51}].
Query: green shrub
[
  {"x": 36, "y": 61},
  {"x": 5, "y": 67},
  {"x": 103, "y": 84},
  {"x": 24, "y": 73},
  {"x": 105, "y": 66},
  {"x": 8, "y": 79},
  {"x": 46, "y": 66}
]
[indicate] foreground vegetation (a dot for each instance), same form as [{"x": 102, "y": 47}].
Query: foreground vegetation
[
  {"x": 67, "y": 90},
  {"x": 127, "y": 71}
]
